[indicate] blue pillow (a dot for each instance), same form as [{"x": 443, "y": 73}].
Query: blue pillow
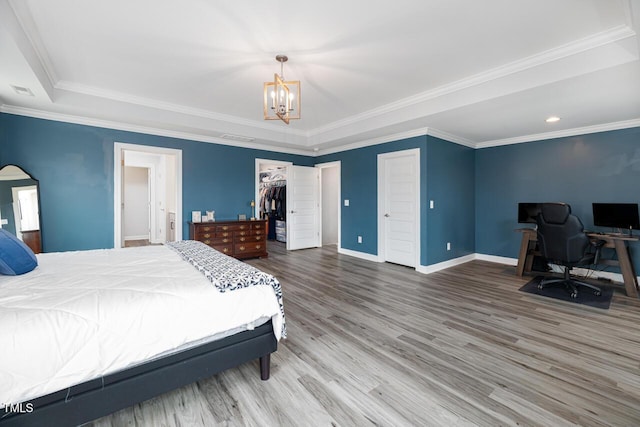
[{"x": 15, "y": 256}]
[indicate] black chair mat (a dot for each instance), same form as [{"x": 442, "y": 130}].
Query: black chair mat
[{"x": 559, "y": 291}]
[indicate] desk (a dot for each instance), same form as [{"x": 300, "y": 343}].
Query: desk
[{"x": 616, "y": 241}]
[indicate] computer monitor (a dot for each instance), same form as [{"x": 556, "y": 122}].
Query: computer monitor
[
  {"x": 616, "y": 215},
  {"x": 527, "y": 212}
]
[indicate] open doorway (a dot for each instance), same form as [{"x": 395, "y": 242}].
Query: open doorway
[
  {"x": 136, "y": 213},
  {"x": 330, "y": 203},
  {"x": 162, "y": 206},
  {"x": 271, "y": 184}
]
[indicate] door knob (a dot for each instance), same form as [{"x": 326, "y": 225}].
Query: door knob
[
  {"x": 386, "y": 215},
  {"x": 293, "y": 212}
]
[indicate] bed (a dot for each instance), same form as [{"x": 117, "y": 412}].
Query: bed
[{"x": 88, "y": 333}]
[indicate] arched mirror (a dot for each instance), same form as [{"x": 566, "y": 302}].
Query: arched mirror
[{"x": 19, "y": 206}]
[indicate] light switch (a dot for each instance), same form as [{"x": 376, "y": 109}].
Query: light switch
[
  {"x": 346, "y": 202},
  {"x": 4, "y": 221},
  {"x": 430, "y": 204}
]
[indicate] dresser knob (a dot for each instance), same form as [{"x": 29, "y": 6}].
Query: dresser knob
[
  {"x": 225, "y": 250},
  {"x": 207, "y": 241},
  {"x": 242, "y": 239},
  {"x": 207, "y": 235},
  {"x": 207, "y": 228},
  {"x": 258, "y": 246},
  {"x": 242, "y": 248},
  {"x": 225, "y": 228},
  {"x": 225, "y": 241}
]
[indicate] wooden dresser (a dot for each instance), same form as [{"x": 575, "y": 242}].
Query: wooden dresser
[{"x": 239, "y": 239}]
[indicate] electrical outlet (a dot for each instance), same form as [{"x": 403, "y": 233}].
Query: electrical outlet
[
  {"x": 346, "y": 202},
  {"x": 359, "y": 239},
  {"x": 448, "y": 246}
]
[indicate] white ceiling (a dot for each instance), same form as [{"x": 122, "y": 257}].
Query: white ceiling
[{"x": 480, "y": 73}]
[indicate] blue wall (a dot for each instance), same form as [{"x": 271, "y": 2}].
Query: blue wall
[
  {"x": 580, "y": 170},
  {"x": 447, "y": 176},
  {"x": 74, "y": 165},
  {"x": 450, "y": 183},
  {"x": 476, "y": 192}
]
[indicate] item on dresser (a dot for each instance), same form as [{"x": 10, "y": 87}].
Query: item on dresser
[
  {"x": 239, "y": 239},
  {"x": 211, "y": 215},
  {"x": 196, "y": 216}
]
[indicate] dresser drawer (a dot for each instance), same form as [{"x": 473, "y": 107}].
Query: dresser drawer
[
  {"x": 222, "y": 240},
  {"x": 203, "y": 235},
  {"x": 205, "y": 228},
  {"x": 258, "y": 225},
  {"x": 225, "y": 249},
  {"x": 242, "y": 239},
  {"x": 231, "y": 227},
  {"x": 249, "y": 247}
]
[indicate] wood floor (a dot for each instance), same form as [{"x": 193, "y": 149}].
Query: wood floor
[{"x": 379, "y": 344}]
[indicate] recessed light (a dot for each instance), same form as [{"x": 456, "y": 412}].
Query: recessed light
[{"x": 552, "y": 119}]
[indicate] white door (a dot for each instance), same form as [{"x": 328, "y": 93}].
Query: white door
[
  {"x": 303, "y": 193},
  {"x": 398, "y": 195}
]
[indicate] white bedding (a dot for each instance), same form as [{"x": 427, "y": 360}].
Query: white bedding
[{"x": 81, "y": 315}]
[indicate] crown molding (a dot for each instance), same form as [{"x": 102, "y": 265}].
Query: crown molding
[
  {"x": 67, "y": 118},
  {"x": 625, "y": 124},
  {"x": 373, "y": 141},
  {"x": 612, "y": 35},
  {"x": 451, "y": 137},
  {"x": 166, "y": 106}
]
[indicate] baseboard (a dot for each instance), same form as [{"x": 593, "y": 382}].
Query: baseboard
[
  {"x": 361, "y": 255},
  {"x": 584, "y": 272},
  {"x": 428, "y": 269},
  {"x": 497, "y": 259},
  {"x": 143, "y": 237}
]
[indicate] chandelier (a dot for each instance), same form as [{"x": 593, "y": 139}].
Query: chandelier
[{"x": 281, "y": 97}]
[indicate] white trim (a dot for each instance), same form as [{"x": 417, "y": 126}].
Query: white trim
[
  {"x": 497, "y": 259},
  {"x": 165, "y": 106},
  {"x": 423, "y": 131},
  {"x": 118, "y": 148},
  {"x": 361, "y": 255},
  {"x": 625, "y": 124},
  {"x": 108, "y": 124},
  {"x": 428, "y": 269},
  {"x": 381, "y": 158},
  {"x": 593, "y": 274},
  {"x": 321, "y": 166},
  {"x": 305, "y": 151},
  {"x": 593, "y": 41},
  {"x": 141, "y": 237}
]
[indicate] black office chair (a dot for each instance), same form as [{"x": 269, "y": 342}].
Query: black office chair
[{"x": 562, "y": 241}]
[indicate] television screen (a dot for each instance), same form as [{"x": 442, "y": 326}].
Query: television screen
[
  {"x": 616, "y": 215},
  {"x": 527, "y": 212}
]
